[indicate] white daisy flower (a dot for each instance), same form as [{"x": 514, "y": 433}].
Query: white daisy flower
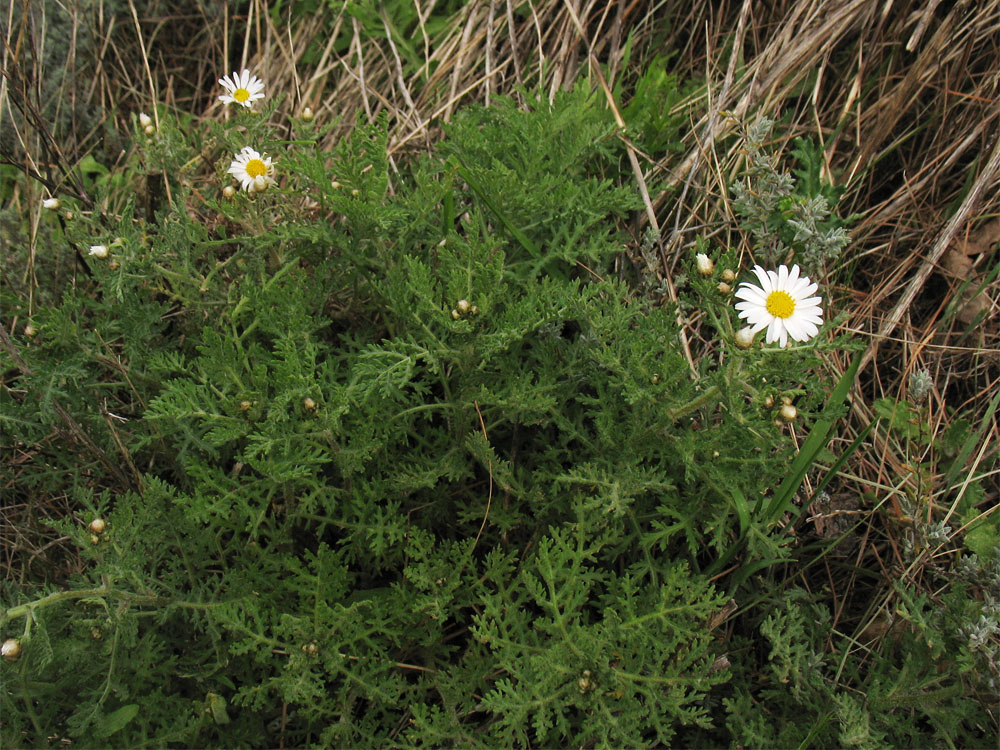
[
  {"x": 254, "y": 171},
  {"x": 241, "y": 89},
  {"x": 782, "y": 304}
]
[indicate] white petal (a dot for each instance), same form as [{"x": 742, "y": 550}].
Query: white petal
[{"x": 765, "y": 279}]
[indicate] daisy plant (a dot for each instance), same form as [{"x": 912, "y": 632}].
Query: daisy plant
[
  {"x": 242, "y": 88},
  {"x": 783, "y": 304},
  {"x": 254, "y": 170}
]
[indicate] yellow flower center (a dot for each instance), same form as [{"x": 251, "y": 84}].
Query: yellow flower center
[
  {"x": 241, "y": 95},
  {"x": 257, "y": 168},
  {"x": 780, "y": 304}
]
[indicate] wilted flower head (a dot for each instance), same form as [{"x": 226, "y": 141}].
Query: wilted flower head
[
  {"x": 99, "y": 251},
  {"x": 241, "y": 89},
  {"x": 52, "y": 204},
  {"x": 782, "y": 304},
  {"x": 254, "y": 171}
]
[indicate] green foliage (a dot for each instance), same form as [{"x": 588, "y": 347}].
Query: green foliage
[
  {"x": 386, "y": 457},
  {"x": 789, "y": 218}
]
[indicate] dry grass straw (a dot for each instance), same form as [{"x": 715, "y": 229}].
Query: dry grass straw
[{"x": 902, "y": 95}]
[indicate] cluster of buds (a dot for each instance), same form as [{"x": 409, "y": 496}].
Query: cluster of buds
[
  {"x": 96, "y": 528},
  {"x": 706, "y": 267},
  {"x": 463, "y": 309},
  {"x": 786, "y": 414}
]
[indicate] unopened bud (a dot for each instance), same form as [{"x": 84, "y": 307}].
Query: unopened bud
[
  {"x": 52, "y": 204},
  {"x": 463, "y": 306},
  {"x": 97, "y": 526},
  {"x": 744, "y": 338},
  {"x": 724, "y": 288},
  {"x": 788, "y": 413},
  {"x": 786, "y": 400},
  {"x": 729, "y": 276},
  {"x": 309, "y": 404},
  {"x": 335, "y": 185},
  {"x": 99, "y": 251},
  {"x": 69, "y": 216},
  {"x": 259, "y": 183},
  {"x": 245, "y": 405},
  {"x": 307, "y": 114},
  {"x": 113, "y": 264},
  {"x": 149, "y": 130},
  {"x": 30, "y": 330},
  {"x": 705, "y": 264},
  {"x": 145, "y": 120},
  {"x": 11, "y": 649},
  {"x": 310, "y": 649},
  {"x": 228, "y": 191},
  {"x": 455, "y": 314},
  {"x": 355, "y": 192},
  {"x": 768, "y": 401},
  {"x": 94, "y": 539}
]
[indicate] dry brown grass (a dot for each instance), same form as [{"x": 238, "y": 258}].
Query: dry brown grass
[{"x": 903, "y": 96}]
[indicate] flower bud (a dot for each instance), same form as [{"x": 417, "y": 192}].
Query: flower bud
[
  {"x": 145, "y": 120},
  {"x": 310, "y": 649},
  {"x": 335, "y": 185},
  {"x": 228, "y": 191},
  {"x": 245, "y": 405},
  {"x": 474, "y": 310},
  {"x": 97, "y": 526},
  {"x": 113, "y": 264},
  {"x": 705, "y": 264},
  {"x": 463, "y": 306},
  {"x": 768, "y": 401},
  {"x": 307, "y": 114},
  {"x": 149, "y": 130},
  {"x": 99, "y": 251},
  {"x": 94, "y": 539},
  {"x": 786, "y": 400},
  {"x": 455, "y": 314},
  {"x": 355, "y": 192},
  {"x": 69, "y": 216},
  {"x": 724, "y": 288},
  {"x": 30, "y": 330},
  {"x": 744, "y": 338},
  {"x": 309, "y": 404},
  {"x": 11, "y": 649},
  {"x": 729, "y": 276},
  {"x": 259, "y": 183},
  {"x": 788, "y": 413},
  {"x": 52, "y": 204}
]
